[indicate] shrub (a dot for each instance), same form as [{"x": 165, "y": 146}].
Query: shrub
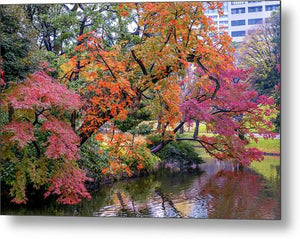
[
  {"x": 142, "y": 129},
  {"x": 93, "y": 159},
  {"x": 181, "y": 152}
]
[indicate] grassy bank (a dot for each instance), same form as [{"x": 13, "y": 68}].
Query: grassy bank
[
  {"x": 266, "y": 145},
  {"x": 269, "y": 167}
]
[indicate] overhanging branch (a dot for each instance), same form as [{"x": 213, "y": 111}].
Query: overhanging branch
[{"x": 141, "y": 64}]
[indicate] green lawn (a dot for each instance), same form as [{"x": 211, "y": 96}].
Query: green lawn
[
  {"x": 269, "y": 167},
  {"x": 201, "y": 151},
  {"x": 266, "y": 145}
]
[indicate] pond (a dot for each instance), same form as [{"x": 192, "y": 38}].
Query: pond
[{"x": 214, "y": 190}]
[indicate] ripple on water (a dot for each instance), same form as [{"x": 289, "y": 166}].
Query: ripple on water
[{"x": 218, "y": 192}]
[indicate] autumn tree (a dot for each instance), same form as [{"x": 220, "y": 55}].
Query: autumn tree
[
  {"x": 261, "y": 51},
  {"x": 172, "y": 36},
  {"x": 144, "y": 63},
  {"x": 38, "y": 145}
]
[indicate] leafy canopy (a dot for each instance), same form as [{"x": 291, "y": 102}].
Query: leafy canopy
[{"x": 165, "y": 58}]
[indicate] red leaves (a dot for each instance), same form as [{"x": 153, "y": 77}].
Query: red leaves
[
  {"x": 233, "y": 113},
  {"x": 63, "y": 143},
  {"x": 23, "y": 132},
  {"x": 40, "y": 91},
  {"x": 33, "y": 102},
  {"x": 278, "y": 68},
  {"x": 68, "y": 183},
  {"x": 2, "y": 82},
  {"x": 265, "y": 100}
]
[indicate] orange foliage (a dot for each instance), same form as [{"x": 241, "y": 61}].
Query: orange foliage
[
  {"x": 125, "y": 152},
  {"x": 118, "y": 77}
]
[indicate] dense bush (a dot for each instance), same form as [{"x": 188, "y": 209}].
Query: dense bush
[
  {"x": 181, "y": 152},
  {"x": 92, "y": 161},
  {"x": 133, "y": 119},
  {"x": 142, "y": 129}
]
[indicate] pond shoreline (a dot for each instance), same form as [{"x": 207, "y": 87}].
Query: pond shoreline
[
  {"x": 172, "y": 167},
  {"x": 168, "y": 193}
]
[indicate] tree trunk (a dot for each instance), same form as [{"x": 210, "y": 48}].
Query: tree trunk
[
  {"x": 196, "y": 129},
  {"x": 162, "y": 144},
  {"x": 10, "y": 113},
  {"x": 73, "y": 120},
  {"x": 158, "y": 123},
  {"x": 181, "y": 130}
]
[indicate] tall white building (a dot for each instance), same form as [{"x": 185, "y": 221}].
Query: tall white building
[
  {"x": 244, "y": 16},
  {"x": 240, "y": 18}
]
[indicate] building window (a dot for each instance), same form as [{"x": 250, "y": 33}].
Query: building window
[
  {"x": 238, "y": 23},
  {"x": 255, "y": 9},
  {"x": 223, "y": 22},
  {"x": 214, "y": 16},
  {"x": 237, "y": 3},
  {"x": 252, "y": 1},
  {"x": 238, "y": 33},
  {"x": 237, "y": 10},
  {"x": 272, "y": 7},
  {"x": 255, "y": 21}
]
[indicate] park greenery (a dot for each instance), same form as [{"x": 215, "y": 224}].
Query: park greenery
[{"x": 97, "y": 91}]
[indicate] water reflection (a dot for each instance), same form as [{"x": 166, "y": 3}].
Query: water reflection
[{"x": 217, "y": 190}]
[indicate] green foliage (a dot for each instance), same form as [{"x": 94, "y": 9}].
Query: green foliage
[
  {"x": 266, "y": 145},
  {"x": 266, "y": 168},
  {"x": 261, "y": 52},
  {"x": 129, "y": 123},
  {"x": 3, "y": 118},
  {"x": 142, "y": 129},
  {"x": 181, "y": 152},
  {"x": 7, "y": 171},
  {"x": 93, "y": 159},
  {"x": 18, "y": 49},
  {"x": 21, "y": 169},
  {"x": 150, "y": 160},
  {"x": 133, "y": 120},
  {"x": 154, "y": 138}
]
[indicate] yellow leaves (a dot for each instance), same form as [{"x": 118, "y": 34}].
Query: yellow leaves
[{"x": 69, "y": 66}]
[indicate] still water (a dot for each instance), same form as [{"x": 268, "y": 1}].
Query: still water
[{"x": 216, "y": 190}]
